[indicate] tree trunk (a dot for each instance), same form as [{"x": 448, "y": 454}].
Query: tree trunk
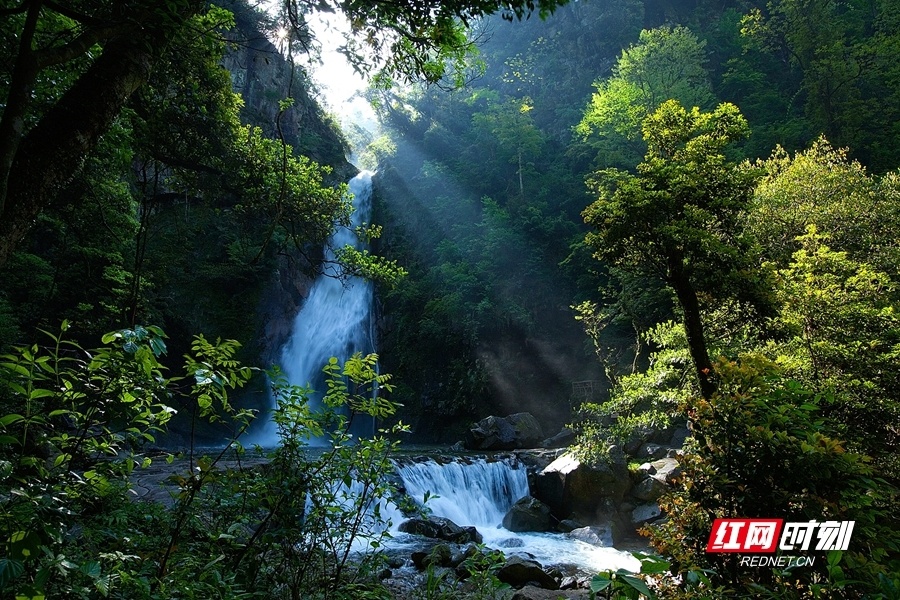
[
  {"x": 53, "y": 151},
  {"x": 693, "y": 323}
]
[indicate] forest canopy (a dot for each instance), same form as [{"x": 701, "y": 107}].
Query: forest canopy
[{"x": 691, "y": 207}]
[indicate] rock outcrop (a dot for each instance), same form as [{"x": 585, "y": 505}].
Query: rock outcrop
[
  {"x": 441, "y": 529},
  {"x": 528, "y": 514},
  {"x": 520, "y": 430},
  {"x": 518, "y": 572},
  {"x": 569, "y": 486}
]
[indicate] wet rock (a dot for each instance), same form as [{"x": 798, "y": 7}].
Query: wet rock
[
  {"x": 520, "y": 430},
  {"x": 511, "y": 543},
  {"x": 535, "y": 593},
  {"x": 442, "y": 529},
  {"x": 568, "y": 583},
  {"x": 518, "y": 572},
  {"x": 567, "y": 525},
  {"x": 596, "y": 536},
  {"x": 528, "y": 514},
  {"x": 385, "y": 574}
]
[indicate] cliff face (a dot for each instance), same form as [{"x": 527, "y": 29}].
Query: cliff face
[{"x": 262, "y": 76}]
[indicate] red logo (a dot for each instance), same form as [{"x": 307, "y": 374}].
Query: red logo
[{"x": 744, "y": 535}]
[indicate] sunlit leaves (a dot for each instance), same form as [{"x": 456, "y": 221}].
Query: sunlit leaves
[{"x": 667, "y": 63}]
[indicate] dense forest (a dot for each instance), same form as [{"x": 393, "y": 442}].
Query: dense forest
[{"x": 691, "y": 206}]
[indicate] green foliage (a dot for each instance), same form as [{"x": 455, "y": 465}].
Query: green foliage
[
  {"x": 684, "y": 202},
  {"x": 841, "y": 318},
  {"x": 640, "y": 402},
  {"x": 667, "y": 64},
  {"x": 624, "y": 584},
  {"x": 821, "y": 186},
  {"x": 73, "y": 426},
  {"x": 761, "y": 447}
]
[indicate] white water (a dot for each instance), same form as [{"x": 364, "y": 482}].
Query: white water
[
  {"x": 335, "y": 319},
  {"x": 480, "y": 494}
]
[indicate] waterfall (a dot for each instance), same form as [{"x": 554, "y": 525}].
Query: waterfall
[
  {"x": 477, "y": 493},
  {"x": 336, "y": 318}
]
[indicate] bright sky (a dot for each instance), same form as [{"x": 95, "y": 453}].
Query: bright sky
[{"x": 337, "y": 79}]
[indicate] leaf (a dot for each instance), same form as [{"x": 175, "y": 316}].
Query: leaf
[
  {"x": 637, "y": 584},
  {"x": 652, "y": 565},
  {"x": 600, "y": 582},
  {"x": 9, "y": 570},
  {"x": 10, "y": 419},
  {"x": 91, "y": 569}
]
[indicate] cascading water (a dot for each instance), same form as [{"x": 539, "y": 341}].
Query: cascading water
[
  {"x": 480, "y": 493},
  {"x": 336, "y": 318}
]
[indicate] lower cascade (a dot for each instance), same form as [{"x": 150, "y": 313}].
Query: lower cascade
[{"x": 479, "y": 492}]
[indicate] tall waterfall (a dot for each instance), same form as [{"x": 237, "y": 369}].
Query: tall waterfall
[{"x": 336, "y": 318}]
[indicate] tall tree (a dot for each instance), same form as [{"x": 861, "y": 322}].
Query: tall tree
[{"x": 678, "y": 217}]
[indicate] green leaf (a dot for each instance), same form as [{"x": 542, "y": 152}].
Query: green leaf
[
  {"x": 91, "y": 569},
  {"x": 600, "y": 582},
  {"x": 652, "y": 565},
  {"x": 637, "y": 584},
  {"x": 9, "y": 570},
  {"x": 10, "y": 419}
]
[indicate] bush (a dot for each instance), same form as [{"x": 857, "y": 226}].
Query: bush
[
  {"x": 71, "y": 432},
  {"x": 760, "y": 449}
]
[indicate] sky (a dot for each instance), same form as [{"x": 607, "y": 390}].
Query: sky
[{"x": 338, "y": 81}]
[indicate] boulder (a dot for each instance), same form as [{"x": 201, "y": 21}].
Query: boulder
[
  {"x": 649, "y": 490},
  {"x": 511, "y": 543},
  {"x": 595, "y": 536},
  {"x": 568, "y": 486},
  {"x": 442, "y": 529},
  {"x": 567, "y": 525},
  {"x": 520, "y": 430},
  {"x": 652, "y": 451},
  {"x": 637, "y": 439},
  {"x": 645, "y": 513},
  {"x": 528, "y": 514},
  {"x": 680, "y": 435},
  {"x": 667, "y": 470},
  {"x": 565, "y": 437},
  {"x": 518, "y": 572}
]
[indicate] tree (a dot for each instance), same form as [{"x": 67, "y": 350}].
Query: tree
[
  {"x": 76, "y": 65},
  {"x": 822, "y": 186},
  {"x": 668, "y": 63},
  {"x": 679, "y": 216}
]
